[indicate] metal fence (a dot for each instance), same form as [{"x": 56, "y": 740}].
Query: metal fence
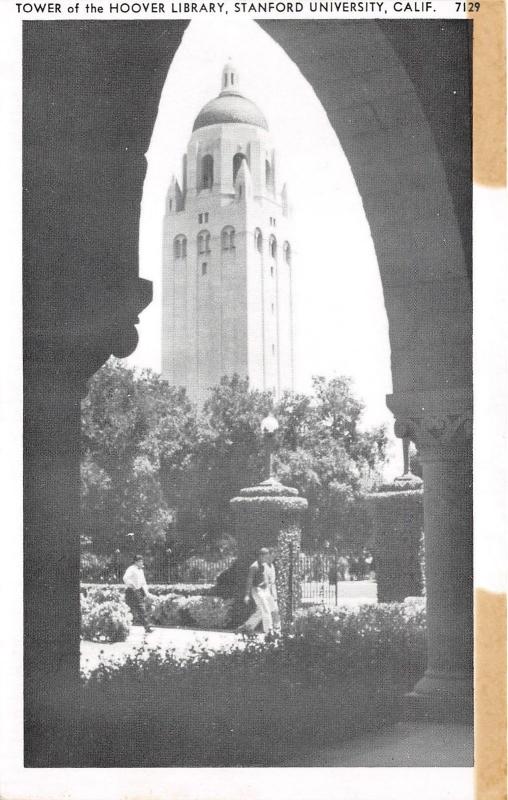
[
  {"x": 323, "y": 576},
  {"x": 193, "y": 570}
]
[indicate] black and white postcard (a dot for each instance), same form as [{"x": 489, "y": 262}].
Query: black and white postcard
[{"x": 242, "y": 246}]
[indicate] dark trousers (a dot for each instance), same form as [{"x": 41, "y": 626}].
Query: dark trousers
[{"x": 135, "y": 599}]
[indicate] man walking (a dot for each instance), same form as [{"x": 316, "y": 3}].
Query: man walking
[
  {"x": 136, "y": 591},
  {"x": 257, "y": 589}
]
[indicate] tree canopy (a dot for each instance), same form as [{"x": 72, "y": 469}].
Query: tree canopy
[{"x": 148, "y": 452}]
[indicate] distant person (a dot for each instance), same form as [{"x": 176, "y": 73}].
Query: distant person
[
  {"x": 136, "y": 591},
  {"x": 354, "y": 567},
  {"x": 368, "y": 561},
  {"x": 257, "y": 589},
  {"x": 342, "y": 568}
]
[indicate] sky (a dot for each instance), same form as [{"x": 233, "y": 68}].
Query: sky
[{"x": 340, "y": 320}]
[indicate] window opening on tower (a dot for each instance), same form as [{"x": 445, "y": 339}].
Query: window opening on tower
[
  {"x": 237, "y": 163},
  {"x": 207, "y": 172},
  {"x": 268, "y": 175},
  {"x": 228, "y": 238},
  {"x": 203, "y": 242},
  {"x": 180, "y": 246}
]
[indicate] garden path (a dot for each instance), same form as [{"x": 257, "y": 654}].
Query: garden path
[
  {"x": 350, "y": 593},
  {"x": 181, "y": 640},
  {"x": 405, "y": 744}
]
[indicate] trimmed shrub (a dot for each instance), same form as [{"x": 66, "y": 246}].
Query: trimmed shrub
[
  {"x": 202, "y": 612},
  {"x": 104, "y": 594},
  {"x": 389, "y": 638},
  {"x": 209, "y": 612},
  {"x": 158, "y": 589},
  {"x": 166, "y": 610},
  {"x": 182, "y": 589},
  {"x": 105, "y": 621},
  {"x": 397, "y": 516},
  {"x": 334, "y": 676}
]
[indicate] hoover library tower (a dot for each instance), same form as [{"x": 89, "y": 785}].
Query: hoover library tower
[{"x": 227, "y": 271}]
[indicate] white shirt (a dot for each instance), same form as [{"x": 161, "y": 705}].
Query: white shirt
[
  {"x": 134, "y": 578},
  {"x": 271, "y": 579}
]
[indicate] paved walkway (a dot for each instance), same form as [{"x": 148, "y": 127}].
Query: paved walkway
[
  {"x": 179, "y": 640},
  {"x": 405, "y": 744}
]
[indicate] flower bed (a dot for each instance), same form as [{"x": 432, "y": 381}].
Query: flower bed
[
  {"x": 184, "y": 589},
  {"x": 170, "y": 609},
  {"x": 105, "y": 617},
  {"x": 201, "y": 612},
  {"x": 335, "y": 675}
]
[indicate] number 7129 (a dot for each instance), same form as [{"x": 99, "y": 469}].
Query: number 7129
[{"x": 467, "y": 7}]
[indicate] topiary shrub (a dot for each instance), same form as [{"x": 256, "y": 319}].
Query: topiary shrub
[
  {"x": 105, "y": 621},
  {"x": 228, "y": 581},
  {"x": 209, "y": 612},
  {"x": 397, "y": 515}
]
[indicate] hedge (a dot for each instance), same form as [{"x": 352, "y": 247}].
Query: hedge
[
  {"x": 335, "y": 675},
  {"x": 183, "y": 589},
  {"x": 397, "y": 516},
  {"x": 105, "y": 616}
]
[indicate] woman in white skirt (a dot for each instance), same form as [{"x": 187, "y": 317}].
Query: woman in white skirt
[
  {"x": 258, "y": 589},
  {"x": 272, "y": 587}
]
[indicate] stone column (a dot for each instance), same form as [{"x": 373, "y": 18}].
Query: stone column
[
  {"x": 270, "y": 515},
  {"x": 441, "y": 429}
]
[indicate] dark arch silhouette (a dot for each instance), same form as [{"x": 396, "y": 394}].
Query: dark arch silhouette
[{"x": 409, "y": 149}]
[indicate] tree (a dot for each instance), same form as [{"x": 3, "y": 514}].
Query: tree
[
  {"x": 132, "y": 423},
  {"x": 228, "y": 453},
  {"x": 326, "y": 455},
  {"x": 147, "y": 452}
]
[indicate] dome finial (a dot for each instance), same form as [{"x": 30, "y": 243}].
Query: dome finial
[{"x": 230, "y": 79}]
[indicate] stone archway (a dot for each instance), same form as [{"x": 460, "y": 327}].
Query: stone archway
[
  {"x": 91, "y": 93},
  {"x": 408, "y": 144}
]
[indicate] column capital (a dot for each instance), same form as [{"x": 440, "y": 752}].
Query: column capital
[{"x": 439, "y": 423}]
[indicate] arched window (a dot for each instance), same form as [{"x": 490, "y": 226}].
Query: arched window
[
  {"x": 272, "y": 246},
  {"x": 203, "y": 242},
  {"x": 180, "y": 246},
  {"x": 268, "y": 175},
  {"x": 237, "y": 163},
  {"x": 228, "y": 238},
  {"x": 287, "y": 252},
  {"x": 258, "y": 240},
  {"x": 207, "y": 172}
]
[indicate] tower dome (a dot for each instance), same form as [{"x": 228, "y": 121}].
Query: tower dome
[{"x": 230, "y": 106}]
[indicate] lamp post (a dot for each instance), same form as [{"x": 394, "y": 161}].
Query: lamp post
[
  {"x": 269, "y": 427},
  {"x": 269, "y": 515},
  {"x": 118, "y": 569}
]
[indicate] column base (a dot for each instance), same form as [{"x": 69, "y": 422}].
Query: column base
[{"x": 443, "y": 697}]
